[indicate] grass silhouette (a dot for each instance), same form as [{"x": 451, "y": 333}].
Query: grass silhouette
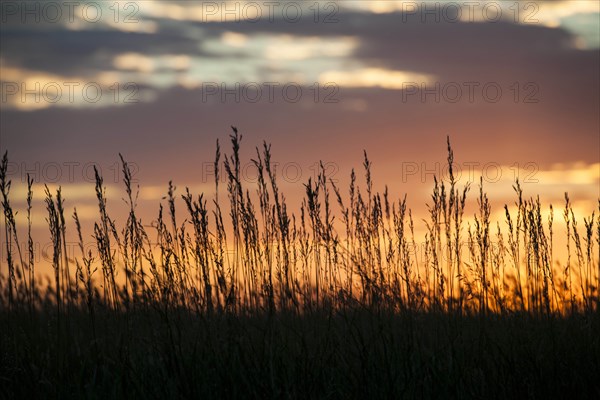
[{"x": 244, "y": 299}]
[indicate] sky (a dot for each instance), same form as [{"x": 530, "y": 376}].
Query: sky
[{"x": 515, "y": 85}]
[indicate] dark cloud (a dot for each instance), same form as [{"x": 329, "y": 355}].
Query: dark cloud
[
  {"x": 446, "y": 49},
  {"x": 67, "y": 52}
]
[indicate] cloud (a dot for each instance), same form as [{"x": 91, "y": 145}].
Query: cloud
[
  {"x": 300, "y": 51},
  {"x": 374, "y": 77},
  {"x": 367, "y": 55}
]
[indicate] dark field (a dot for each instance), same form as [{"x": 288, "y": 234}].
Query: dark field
[{"x": 355, "y": 353}]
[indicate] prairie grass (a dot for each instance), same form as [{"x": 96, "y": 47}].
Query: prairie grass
[{"x": 237, "y": 297}]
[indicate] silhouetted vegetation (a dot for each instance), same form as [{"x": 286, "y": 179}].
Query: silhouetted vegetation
[{"x": 237, "y": 297}]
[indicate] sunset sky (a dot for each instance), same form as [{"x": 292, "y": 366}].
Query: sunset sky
[{"x": 514, "y": 84}]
